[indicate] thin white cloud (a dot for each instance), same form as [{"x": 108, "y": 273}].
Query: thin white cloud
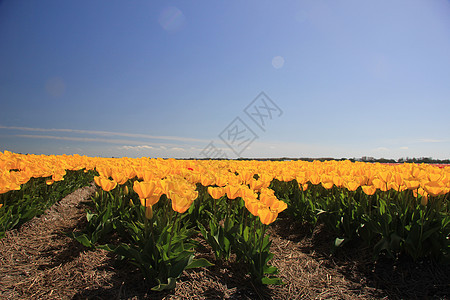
[
  {"x": 105, "y": 133},
  {"x": 83, "y": 139},
  {"x": 400, "y": 141},
  {"x": 430, "y": 141},
  {"x": 404, "y": 148},
  {"x": 137, "y": 148}
]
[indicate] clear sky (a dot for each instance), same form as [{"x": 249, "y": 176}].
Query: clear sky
[{"x": 169, "y": 78}]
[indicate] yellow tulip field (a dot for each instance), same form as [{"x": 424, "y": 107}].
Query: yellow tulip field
[{"x": 157, "y": 208}]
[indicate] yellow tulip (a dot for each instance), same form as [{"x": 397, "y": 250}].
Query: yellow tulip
[
  {"x": 207, "y": 179},
  {"x": 314, "y": 179},
  {"x": 301, "y": 178},
  {"x": 180, "y": 203},
  {"x": 221, "y": 180},
  {"x": 148, "y": 191},
  {"x": 327, "y": 185},
  {"x": 267, "y": 216},
  {"x": 119, "y": 177},
  {"x": 233, "y": 191},
  {"x": 398, "y": 179},
  {"x": 104, "y": 171},
  {"x": 338, "y": 181},
  {"x": 379, "y": 184},
  {"x": 303, "y": 187},
  {"x": 267, "y": 199},
  {"x": 412, "y": 184},
  {"x": 144, "y": 189},
  {"x": 253, "y": 206},
  {"x": 434, "y": 188},
  {"x": 256, "y": 185},
  {"x": 106, "y": 184},
  {"x": 216, "y": 192},
  {"x": 385, "y": 176},
  {"x": 369, "y": 189},
  {"x": 245, "y": 176},
  {"x": 58, "y": 176},
  {"x": 352, "y": 185},
  {"x": 129, "y": 172}
]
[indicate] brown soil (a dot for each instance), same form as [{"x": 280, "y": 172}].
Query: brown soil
[{"x": 39, "y": 261}]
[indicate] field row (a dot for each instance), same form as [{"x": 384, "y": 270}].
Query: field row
[{"x": 149, "y": 211}]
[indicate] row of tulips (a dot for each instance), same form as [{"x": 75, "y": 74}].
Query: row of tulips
[
  {"x": 27, "y": 184},
  {"x": 17, "y": 169},
  {"x": 33, "y": 197},
  {"x": 158, "y": 206}
]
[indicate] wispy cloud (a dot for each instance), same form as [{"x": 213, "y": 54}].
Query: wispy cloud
[
  {"x": 85, "y": 139},
  {"x": 136, "y": 148},
  {"x": 106, "y": 133},
  {"x": 418, "y": 140},
  {"x": 430, "y": 141}
]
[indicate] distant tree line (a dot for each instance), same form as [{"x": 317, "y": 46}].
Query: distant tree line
[{"x": 427, "y": 160}]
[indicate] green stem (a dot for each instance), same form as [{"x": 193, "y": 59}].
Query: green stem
[
  {"x": 422, "y": 212},
  {"x": 254, "y": 230},
  {"x": 228, "y": 210},
  {"x": 145, "y": 226},
  {"x": 214, "y": 204},
  {"x": 172, "y": 233},
  {"x": 171, "y": 212},
  {"x": 260, "y": 250},
  {"x": 244, "y": 218}
]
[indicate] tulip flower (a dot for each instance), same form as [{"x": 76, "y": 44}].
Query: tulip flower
[
  {"x": 267, "y": 216},
  {"x": 148, "y": 192},
  {"x": 434, "y": 188},
  {"x": 106, "y": 184},
  {"x": 216, "y": 193},
  {"x": 352, "y": 185},
  {"x": 253, "y": 206},
  {"x": 180, "y": 203},
  {"x": 369, "y": 189},
  {"x": 233, "y": 191}
]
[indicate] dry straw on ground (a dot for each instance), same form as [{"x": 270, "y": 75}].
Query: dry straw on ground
[{"x": 38, "y": 261}]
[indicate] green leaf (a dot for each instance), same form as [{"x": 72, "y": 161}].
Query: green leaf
[
  {"x": 89, "y": 216},
  {"x": 270, "y": 269},
  {"x": 338, "y": 242},
  {"x": 170, "y": 285},
  {"x": 199, "y": 263},
  {"x": 83, "y": 239},
  {"x": 180, "y": 265},
  {"x": 429, "y": 232},
  {"x": 272, "y": 280}
]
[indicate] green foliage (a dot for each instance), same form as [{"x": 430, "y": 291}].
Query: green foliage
[
  {"x": 162, "y": 247},
  {"x": 390, "y": 222},
  {"x": 252, "y": 246},
  {"x": 241, "y": 233},
  {"x": 301, "y": 205},
  {"x": 218, "y": 237}
]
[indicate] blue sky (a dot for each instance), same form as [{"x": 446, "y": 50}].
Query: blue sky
[{"x": 169, "y": 78}]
